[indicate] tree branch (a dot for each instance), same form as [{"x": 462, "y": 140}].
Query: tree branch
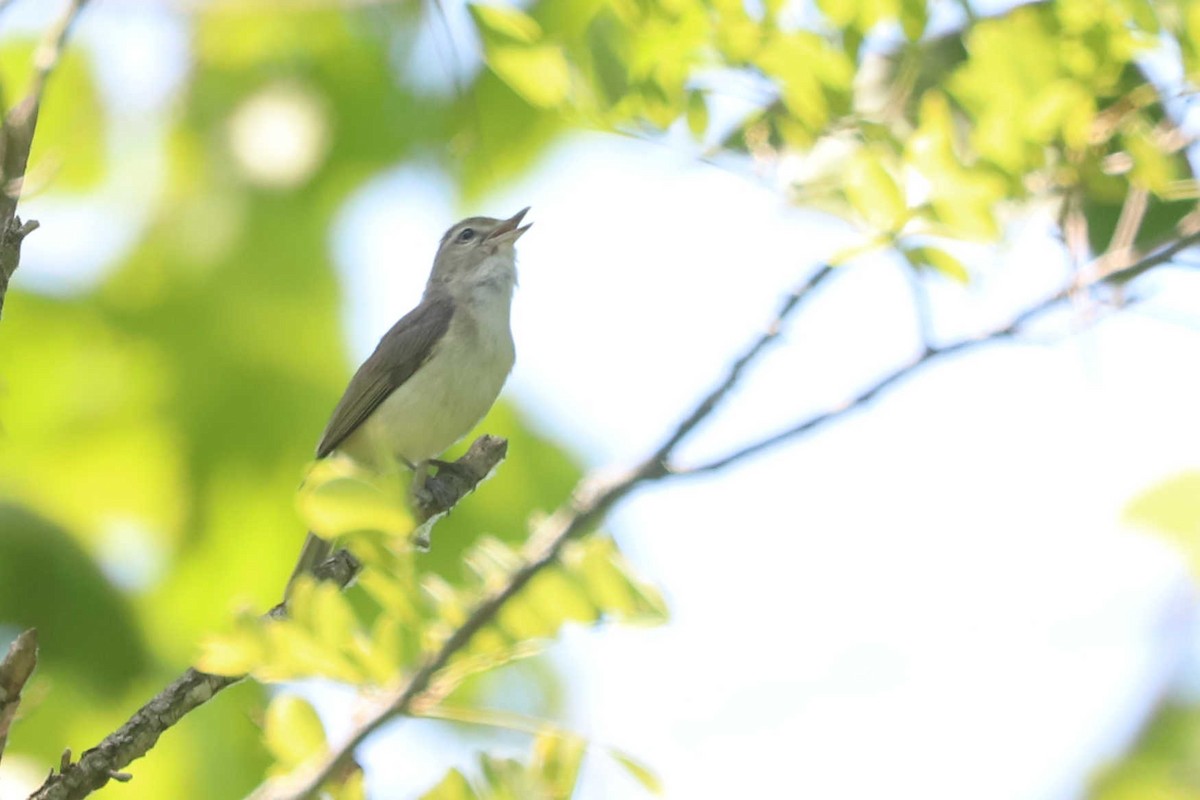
[
  {"x": 932, "y": 353},
  {"x": 15, "y": 670},
  {"x": 17, "y": 138},
  {"x": 589, "y": 506},
  {"x": 714, "y": 398},
  {"x": 193, "y": 689}
]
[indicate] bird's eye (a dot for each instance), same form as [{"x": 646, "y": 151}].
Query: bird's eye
[{"x": 467, "y": 235}]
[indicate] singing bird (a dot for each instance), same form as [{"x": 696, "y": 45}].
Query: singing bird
[{"x": 436, "y": 373}]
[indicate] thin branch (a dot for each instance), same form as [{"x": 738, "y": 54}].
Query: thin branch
[
  {"x": 1120, "y": 250},
  {"x": 133, "y": 739},
  {"x": 714, "y": 398},
  {"x": 15, "y": 670},
  {"x": 587, "y": 508},
  {"x": 571, "y": 521},
  {"x": 930, "y": 354},
  {"x": 921, "y": 306},
  {"x": 17, "y": 138},
  {"x": 193, "y": 689}
]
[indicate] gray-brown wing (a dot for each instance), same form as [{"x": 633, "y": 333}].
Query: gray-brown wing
[{"x": 399, "y": 354}]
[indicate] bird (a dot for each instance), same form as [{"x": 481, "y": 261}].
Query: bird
[{"x": 437, "y": 371}]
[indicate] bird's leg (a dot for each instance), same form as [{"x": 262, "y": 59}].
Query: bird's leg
[{"x": 418, "y": 495}]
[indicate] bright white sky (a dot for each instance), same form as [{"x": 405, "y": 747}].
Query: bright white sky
[
  {"x": 933, "y": 590},
  {"x": 931, "y": 598}
]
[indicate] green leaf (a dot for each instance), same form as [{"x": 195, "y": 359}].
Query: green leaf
[
  {"x": 557, "y": 757},
  {"x": 913, "y": 18},
  {"x": 874, "y": 193},
  {"x": 293, "y": 731},
  {"x": 1153, "y": 168},
  {"x": 505, "y": 22},
  {"x": 839, "y": 12},
  {"x": 538, "y": 73},
  {"x": 322, "y": 608},
  {"x": 814, "y": 78},
  {"x": 1172, "y": 508},
  {"x": 338, "y": 497},
  {"x": 697, "y": 114},
  {"x": 351, "y": 787},
  {"x": 1160, "y": 763},
  {"x": 452, "y": 787},
  {"x": 939, "y": 260},
  {"x": 610, "y": 583},
  {"x": 1189, "y": 42},
  {"x": 738, "y": 35},
  {"x": 68, "y": 149},
  {"x": 640, "y": 772},
  {"x": 238, "y": 652},
  {"x": 385, "y": 653}
]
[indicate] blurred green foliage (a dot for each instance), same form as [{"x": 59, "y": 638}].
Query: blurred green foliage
[
  {"x": 159, "y": 422},
  {"x": 1163, "y": 762},
  {"x": 552, "y": 771}
]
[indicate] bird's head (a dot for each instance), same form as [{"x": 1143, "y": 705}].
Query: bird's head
[{"x": 478, "y": 252}]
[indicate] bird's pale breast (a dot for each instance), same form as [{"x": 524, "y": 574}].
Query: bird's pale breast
[{"x": 445, "y": 398}]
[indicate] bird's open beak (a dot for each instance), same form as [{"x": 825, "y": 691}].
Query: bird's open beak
[{"x": 508, "y": 231}]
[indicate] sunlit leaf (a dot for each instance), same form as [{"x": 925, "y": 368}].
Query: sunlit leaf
[
  {"x": 351, "y": 787},
  {"x": 1159, "y": 765},
  {"x": 322, "y": 608},
  {"x": 338, "y": 497},
  {"x": 610, "y": 583},
  {"x": 839, "y": 12},
  {"x": 642, "y": 773},
  {"x": 913, "y": 18},
  {"x": 452, "y": 787},
  {"x": 539, "y": 73},
  {"x": 697, "y": 114},
  {"x": 738, "y": 36},
  {"x": 814, "y": 78},
  {"x": 1189, "y": 41},
  {"x": 939, "y": 260},
  {"x": 1172, "y": 508},
  {"x": 385, "y": 653},
  {"x": 230, "y": 37},
  {"x": 1153, "y": 169},
  {"x": 557, "y": 757},
  {"x": 69, "y": 143},
  {"x": 874, "y": 193},
  {"x": 293, "y": 731},
  {"x": 556, "y": 592},
  {"x": 506, "y": 22},
  {"x": 235, "y": 653}
]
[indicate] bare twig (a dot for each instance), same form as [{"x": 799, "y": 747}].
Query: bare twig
[
  {"x": 1120, "y": 249},
  {"x": 589, "y": 506},
  {"x": 586, "y": 509},
  {"x": 17, "y": 138},
  {"x": 714, "y": 398},
  {"x": 15, "y": 670},
  {"x": 138, "y": 735},
  {"x": 930, "y": 354},
  {"x": 921, "y": 306}
]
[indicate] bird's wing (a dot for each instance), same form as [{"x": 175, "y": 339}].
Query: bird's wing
[{"x": 400, "y": 352}]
